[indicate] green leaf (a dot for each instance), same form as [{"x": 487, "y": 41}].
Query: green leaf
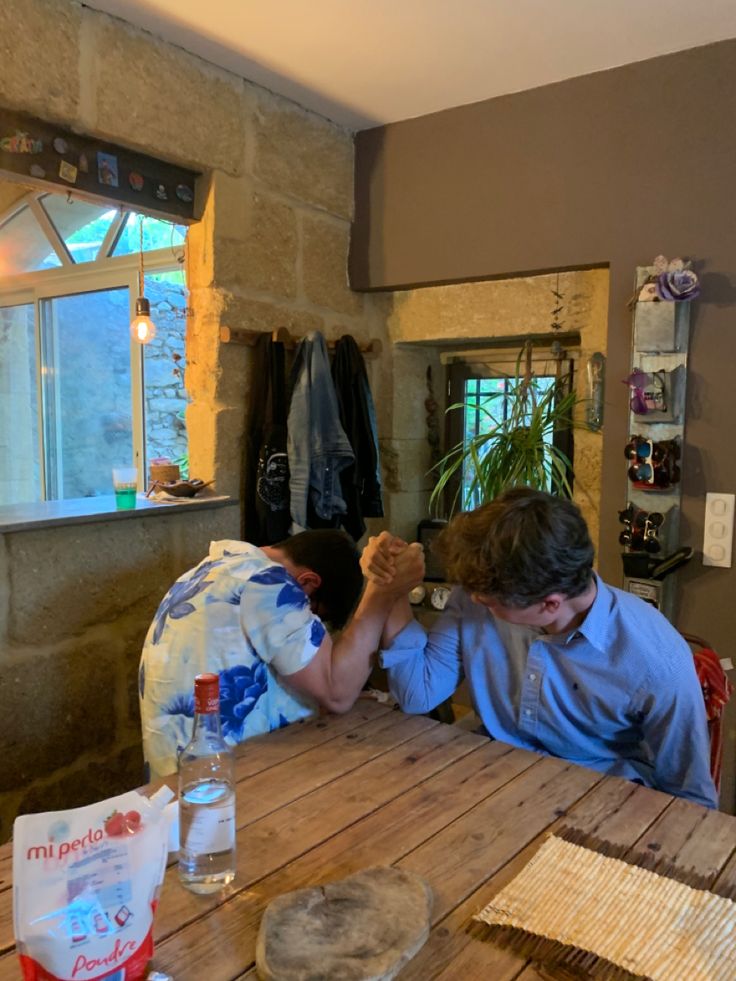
[{"x": 511, "y": 452}]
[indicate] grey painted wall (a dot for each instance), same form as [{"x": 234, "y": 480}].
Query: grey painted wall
[{"x": 609, "y": 169}]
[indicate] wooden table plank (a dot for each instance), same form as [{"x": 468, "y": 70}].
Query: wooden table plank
[
  {"x": 237, "y": 945},
  {"x": 9, "y": 967},
  {"x": 320, "y": 800},
  {"x": 726, "y": 879},
  {"x": 379, "y": 838},
  {"x": 280, "y": 838},
  {"x": 688, "y": 835},
  {"x": 285, "y": 782},
  {"x": 272, "y": 748},
  {"x": 679, "y": 830},
  {"x": 258, "y": 795},
  {"x": 606, "y": 810},
  {"x": 462, "y": 856}
]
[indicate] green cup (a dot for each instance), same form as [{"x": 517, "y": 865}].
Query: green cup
[{"x": 125, "y": 482}]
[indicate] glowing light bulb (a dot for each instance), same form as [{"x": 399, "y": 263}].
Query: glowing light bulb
[{"x": 142, "y": 328}]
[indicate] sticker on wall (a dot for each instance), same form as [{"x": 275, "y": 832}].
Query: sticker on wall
[
  {"x": 68, "y": 172},
  {"x": 20, "y": 143},
  {"x": 37, "y": 171},
  {"x": 161, "y": 192},
  {"x": 135, "y": 180},
  {"x": 184, "y": 193},
  {"x": 83, "y": 163},
  {"x": 60, "y": 145},
  {"x": 107, "y": 169}
]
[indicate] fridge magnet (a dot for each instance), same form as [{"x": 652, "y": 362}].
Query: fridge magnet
[
  {"x": 135, "y": 180},
  {"x": 68, "y": 172},
  {"x": 161, "y": 192},
  {"x": 20, "y": 143},
  {"x": 83, "y": 163},
  {"x": 184, "y": 193},
  {"x": 60, "y": 145},
  {"x": 37, "y": 171},
  {"x": 107, "y": 169}
]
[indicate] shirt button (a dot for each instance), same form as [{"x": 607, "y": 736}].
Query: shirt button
[
  {"x": 532, "y": 677},
  {"x": 528, "y": 712}
]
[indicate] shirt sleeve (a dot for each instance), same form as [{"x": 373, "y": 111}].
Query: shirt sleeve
[
  {"x": 276, "y": 620},
  {"x": 425, "y": 670},
  {"x": 675, "y": 731}
]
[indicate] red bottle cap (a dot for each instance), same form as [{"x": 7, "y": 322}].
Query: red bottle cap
[{"x": 206, "y": 694}]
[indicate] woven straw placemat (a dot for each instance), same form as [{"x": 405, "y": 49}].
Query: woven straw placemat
[{"x": 609, "y": 918}]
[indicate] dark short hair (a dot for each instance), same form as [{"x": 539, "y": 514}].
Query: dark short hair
[
  {"x": 521, "y": 547},
  {"x": 334, "y": 557}
]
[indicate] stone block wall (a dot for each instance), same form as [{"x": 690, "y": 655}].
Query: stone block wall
[
  {"x": 76, "y": 603},
  {"x": 276, "y": 199}
]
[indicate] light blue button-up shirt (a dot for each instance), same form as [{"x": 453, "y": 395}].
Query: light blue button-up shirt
[{"x": 618, "y": 694}]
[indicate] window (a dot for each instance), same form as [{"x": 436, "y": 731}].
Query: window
[
  {"x": 485, "y": 384},
  {"x": 77, "y": 396}
]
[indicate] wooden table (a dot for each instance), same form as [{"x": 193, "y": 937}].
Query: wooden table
[{"x": 319, "y": 800}]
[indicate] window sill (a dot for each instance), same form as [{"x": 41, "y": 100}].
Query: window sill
[{"x": 88, "y": 510}]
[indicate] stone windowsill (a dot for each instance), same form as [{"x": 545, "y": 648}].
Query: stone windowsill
[{"x": 88, "y": 510}]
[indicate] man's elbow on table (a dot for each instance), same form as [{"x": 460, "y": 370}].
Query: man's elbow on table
[{"x": 336, "y": 705}]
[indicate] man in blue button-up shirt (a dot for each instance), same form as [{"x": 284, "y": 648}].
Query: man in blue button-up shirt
[{"x": 556, "y": 661}]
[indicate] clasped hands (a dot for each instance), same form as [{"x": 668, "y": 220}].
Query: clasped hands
[{"x": 391, "y": 565}]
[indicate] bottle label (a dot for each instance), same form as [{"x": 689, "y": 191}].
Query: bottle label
[{"x": 212, "y": 829}]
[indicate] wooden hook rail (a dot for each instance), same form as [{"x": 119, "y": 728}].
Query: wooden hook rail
[{"x": 235, "y": 335}]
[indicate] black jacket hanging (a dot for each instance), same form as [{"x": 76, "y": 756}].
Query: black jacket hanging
[
  {"x": 361, "y": 482},
  {"x": 266, "y": 497}
]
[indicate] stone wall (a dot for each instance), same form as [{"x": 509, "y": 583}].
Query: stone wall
[
  {"x": 75, "y": 603},
  {"x": 269, "y": 252},
  {"x": 165, "y": 363}
]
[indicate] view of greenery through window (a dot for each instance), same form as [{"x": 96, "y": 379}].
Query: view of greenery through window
[
  {"x": 487, "y": 402},
  {"x": 70, "y": 376}
]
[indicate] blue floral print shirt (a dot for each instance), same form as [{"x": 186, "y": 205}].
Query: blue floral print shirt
[{"x": 242, "y": 616}]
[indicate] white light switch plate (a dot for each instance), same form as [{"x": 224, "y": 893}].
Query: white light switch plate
[{"x": 718, "y": 531}]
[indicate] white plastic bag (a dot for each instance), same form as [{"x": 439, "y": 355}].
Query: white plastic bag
[{"x": 85, "y": 888}]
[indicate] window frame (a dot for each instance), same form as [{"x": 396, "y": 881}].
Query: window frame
[
  {"x": 498, "y": 362},
  {"x": 104, "y": 272}
]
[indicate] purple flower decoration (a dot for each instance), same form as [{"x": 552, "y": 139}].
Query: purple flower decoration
[{"x": 678, "y": 285}]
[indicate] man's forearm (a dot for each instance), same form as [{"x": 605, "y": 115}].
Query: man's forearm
[
  {"x": 353, "y": 651},
  {"x": 398, "y": 618}
]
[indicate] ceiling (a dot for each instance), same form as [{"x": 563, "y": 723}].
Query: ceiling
[{"x": 367, "y": 62}]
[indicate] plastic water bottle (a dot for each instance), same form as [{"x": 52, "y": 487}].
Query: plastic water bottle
[{"x": 206, "y": 796}]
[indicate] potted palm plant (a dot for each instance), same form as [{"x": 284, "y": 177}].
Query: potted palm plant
[{"x": 516, "y": 444}]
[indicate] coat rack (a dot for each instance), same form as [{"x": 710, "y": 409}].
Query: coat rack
[{"x": 235, "y": 335}]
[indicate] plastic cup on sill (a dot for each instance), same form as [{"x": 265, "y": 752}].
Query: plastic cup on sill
[{"x": 125, "y": 483}]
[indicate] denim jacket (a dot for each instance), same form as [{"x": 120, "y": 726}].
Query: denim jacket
[{"x": 317, "y": 446}]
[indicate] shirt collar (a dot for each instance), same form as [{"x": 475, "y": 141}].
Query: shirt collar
[
  {"x": 227, "y": 546},
  {"x": 597, "y": 623}
]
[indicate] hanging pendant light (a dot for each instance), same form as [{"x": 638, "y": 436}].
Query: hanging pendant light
[{"x": 142, "y": 328}]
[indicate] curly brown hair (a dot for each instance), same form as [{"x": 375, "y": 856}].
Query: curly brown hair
[{"x": 521, "y": 547}]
